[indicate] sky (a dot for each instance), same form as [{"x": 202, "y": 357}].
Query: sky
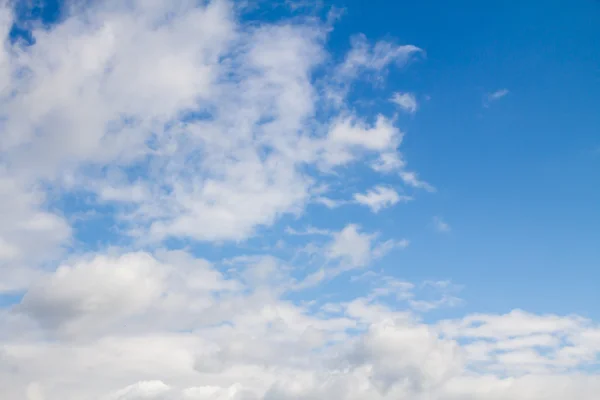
[{"x": 299, "y": 200}]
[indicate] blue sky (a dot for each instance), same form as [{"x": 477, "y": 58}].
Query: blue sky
[
  {"x": 516, "y": 176},
  {"x": 295, "y": 200},
  {"x": 517, "y": 179}
]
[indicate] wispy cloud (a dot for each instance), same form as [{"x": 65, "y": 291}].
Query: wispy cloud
[
  {"x": 412, "y": 179},
  {"x": 494, "y": 96},
  {"x": 498, "y": 94},
  {"x": 440, "y": 225},
  {"x": 309, "y": 231},
  {"x": 406, "y": 101},
  {"x": 330, "y": 203},
  {"x": 380, "y": 197}
]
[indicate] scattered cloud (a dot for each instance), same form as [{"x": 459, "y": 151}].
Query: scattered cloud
[
  {"x": 309, "y": 231},
  {"x": 383, "y": 248},
  {"x": 435, "y": 295},
  {"x": 494, "y": 96},
  {"x": 379, "y": 197},
  {"x": 388, "y": 162},
  {"x": 367, "y": 57},
  {"x": 348, "y": 138},
  {"x": 411, "y": 179},
  {"x": 370, "y": 61},
  {"x": 330, "y": 203},
  {"x": 440, "y": 225},
  {"x": 406, "y": 101},
  {"x": 352, "y": 246},
  {"x": 498, "y": 94}
]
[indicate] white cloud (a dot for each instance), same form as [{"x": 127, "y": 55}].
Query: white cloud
[
  {"x": 129, "y": 75},
  {"x": 444, "y": 295},
  {"x": 516, "y": 323},
  {"x": 205, "y": 178},
  {"x": 379, "y": 197},
  {"x": 142, "y": 390},
  {"x": 138, "y": 94},
  {"x": 393, "y": 350},
  {"x": 385, "y": 247},
  {"x": 388, "y": 162},
  {"x": 346, "y": 250},
  {"x": 330, "y": 203},
  {"x": 269, "y": 348},
  {"x": 29, "y": 234},
  {"x": 498, "y": 94},
  {"x": 365, "y": 57},
  {"x": 440, "y": 225},
  {"x": 411, "y": 179},
  {"x": 366, "y": 60},
  {"x": 94, "y": 293},
  {"x": 350, "y": 133},
  {"x": 352, "y": 246},
  {"x": 494, "y": 96},
  {"x": 348, "y": 138},
  {"x": 406, "y": 101},
  {"x": 310, "y": 230},
  {"x": 520, "y": 343}
]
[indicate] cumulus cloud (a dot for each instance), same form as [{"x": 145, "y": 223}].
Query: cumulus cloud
[
  {"x": 352, "y": 246},
  {"x": 28, "y": 233},
  {"x": 347, "y": 138},
  {"x": 98, "y": 291},
  {"x": 191, "y": 133}
]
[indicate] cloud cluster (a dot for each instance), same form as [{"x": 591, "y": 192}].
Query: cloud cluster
[
  {"x": 170, "y": 326},
  {"x": 188, "y": 129}
]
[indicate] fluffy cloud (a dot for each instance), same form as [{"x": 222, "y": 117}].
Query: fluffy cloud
[
  {"x": 356, "y": 249},
  {"x": 193, "y": 133},
  {"x": 258, "y": 345},
  {"x": 347, "y": 137},
  {"x": 379, "y": 197},
  {"x": 94, "y": 293},
  {"x": 29, "y": 233}
]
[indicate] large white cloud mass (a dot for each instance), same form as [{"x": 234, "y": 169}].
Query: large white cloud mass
[{"x": 187, "y": 122}]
